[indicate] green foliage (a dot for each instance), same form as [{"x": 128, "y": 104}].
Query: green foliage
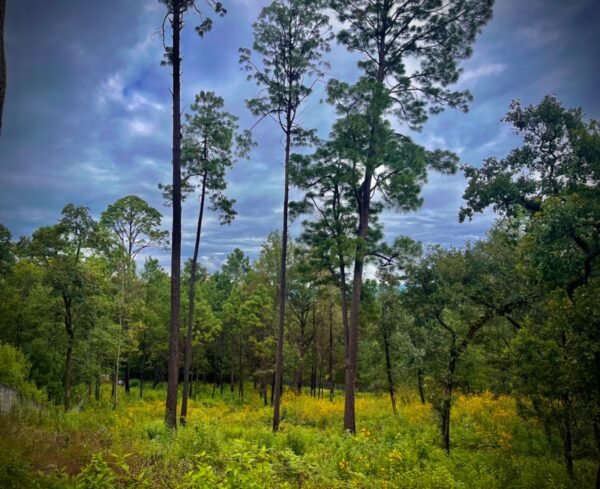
[
  {"x": 14, "y": 372},
  {"x": 228, "y": 445}
]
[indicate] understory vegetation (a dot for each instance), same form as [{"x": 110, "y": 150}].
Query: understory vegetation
[{"x": 230, "y": 444}]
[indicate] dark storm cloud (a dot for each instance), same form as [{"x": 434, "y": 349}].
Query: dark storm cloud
[{"x": 88, "y": 111}]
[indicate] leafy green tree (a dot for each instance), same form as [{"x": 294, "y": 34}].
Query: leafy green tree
[
  {"x": 15, "y": 372},
  {"x": 464, "y": 292},
  {"x": 6, "y": 250},
  {"x": 391, "y": 273},
  {"x": 551, "y": 183},
  {"x": 290, "y": 37},
  {"x": 134, "y": 226},
  {"x": 60, "y": 249},
  {"x": 153, "y": 332},
  {"x": 176, "y": 10},
  {"x": 433, "y": 35}
]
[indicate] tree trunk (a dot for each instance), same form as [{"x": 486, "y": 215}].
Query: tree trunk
[
  {"x": 241, "y": 367},
  {"x": 97, "y": 391},
  {"x": 69, "y": 354},
  {"x": 302, "y": 348},
  {"x": 173, "y": 368},
  {"x": 331, "y": 379},
  {"x": 344, "y": 301},
  {"x": 190, "y": 328},
  {"x": 352, "y": 346},
  {"x": 282, "y": 279},
  {"x": 567, "y": 436},
  {"x": 142, "y": 370},
  {"x": 273, "y": 389},
  {"x": 313, "y": 371},
  {"x": 597, "y": 435},
  {"x": 447, "y": 400},
  {"x": 2, "y": 60},
  {"x": 420, "y": 383},
  {"x": 388, "y": 368},
  {"x": 127, "y": 376},
  {"x": 116, "y": 376}
]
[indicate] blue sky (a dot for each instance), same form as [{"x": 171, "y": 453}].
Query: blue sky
[{"x": 87, "y": 116}]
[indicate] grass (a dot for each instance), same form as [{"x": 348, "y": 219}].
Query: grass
[{"x": 229, "y": 444}]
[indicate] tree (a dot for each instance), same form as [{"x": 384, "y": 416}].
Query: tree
[
  {"x": 399, "y": 257},
  {"x": 551, "y": 183},
  {"x": 290, "y": 36},
  {"x": 134, "y": 226},
  {"x": 435, "y": 35},
  {"x": 176, "y": 10},
  {"x": 60, "y": 249},
  {"x": 7, "y": 258},
  {"x": 461, "y": 293},
  {"x": 153, "y": 335},
  {"x": 211, "y": 143}
]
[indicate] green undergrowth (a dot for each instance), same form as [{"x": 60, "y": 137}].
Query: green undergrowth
[{"x": 229, "y": 444}]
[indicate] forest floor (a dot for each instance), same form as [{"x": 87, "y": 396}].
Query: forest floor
[{"x": 229, "y": 444}]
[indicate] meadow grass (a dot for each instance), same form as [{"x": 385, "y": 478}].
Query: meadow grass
[{"x": 229, "y": 444}]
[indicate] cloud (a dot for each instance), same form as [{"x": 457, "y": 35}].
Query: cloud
[
  {"x": 486, "y": 70},
  {"x": 540, "y": 33}
]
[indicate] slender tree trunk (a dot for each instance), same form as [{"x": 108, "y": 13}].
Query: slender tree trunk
[
  {"x": 273, "y": 389},
  {"x": 447, "y": 400},
  {"x": 69, "y": 354},
  {"x": 300, "y": 371},
  {"x": 2, "y": 60},
  {"x": 352, "y": 346},
  {"x": 344, "y": 301},
  {"x": 97, "y": 392},
  {"x": 232, "y": 376},
  {"x": 331, "y": 379},
  {"x": 388, "y": 368},
  {"x": 241, "y": 367},
  {"x": 597, "y": 436},
  {"x": 265, "y": 391},
  {"x": 420, "y": 383},
  {"x": 313, "y": 372},
  {"x": 142, "y": 371},
  {"x": 567, "y": 436},
  {"x": 282, "y": 282},
  {"x": 116, "y": 385},
  {"x": 192, "y": 296},
  {"x": 127, "y": 376},
  {"x": 173, "y": 369}
]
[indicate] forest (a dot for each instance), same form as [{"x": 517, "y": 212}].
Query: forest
[{"x": 340, "y": 355}]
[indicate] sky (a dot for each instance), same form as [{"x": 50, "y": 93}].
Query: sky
[{"x": 88, "y": 117}]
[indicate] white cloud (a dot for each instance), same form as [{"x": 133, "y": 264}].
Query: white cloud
[
  {"x": 489, "y": 69},
  {"x": 140, "y": 127}
]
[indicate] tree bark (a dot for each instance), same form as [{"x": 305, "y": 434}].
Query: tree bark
[
  {"x": 567, "y": 436},
  {"x": 282, "y": 280},
  {"x": 173, "y": 368},
  {"x": 69, "y": 354},
  {"x": 420, "y": 383},
  {"x": 331, "y": 379},
  {"x": 352, "y": 347},
  {"x": 447, "y": 399},
  {"x": 344, "y": 301},
  {"x": 142, "y": 369},
  {"x": 302, "y": 348},
  {"x": 388, "y": 368},
  {"x": 190, "y": 328}
]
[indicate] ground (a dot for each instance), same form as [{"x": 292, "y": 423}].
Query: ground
[{"x": 228, "y": 443}]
